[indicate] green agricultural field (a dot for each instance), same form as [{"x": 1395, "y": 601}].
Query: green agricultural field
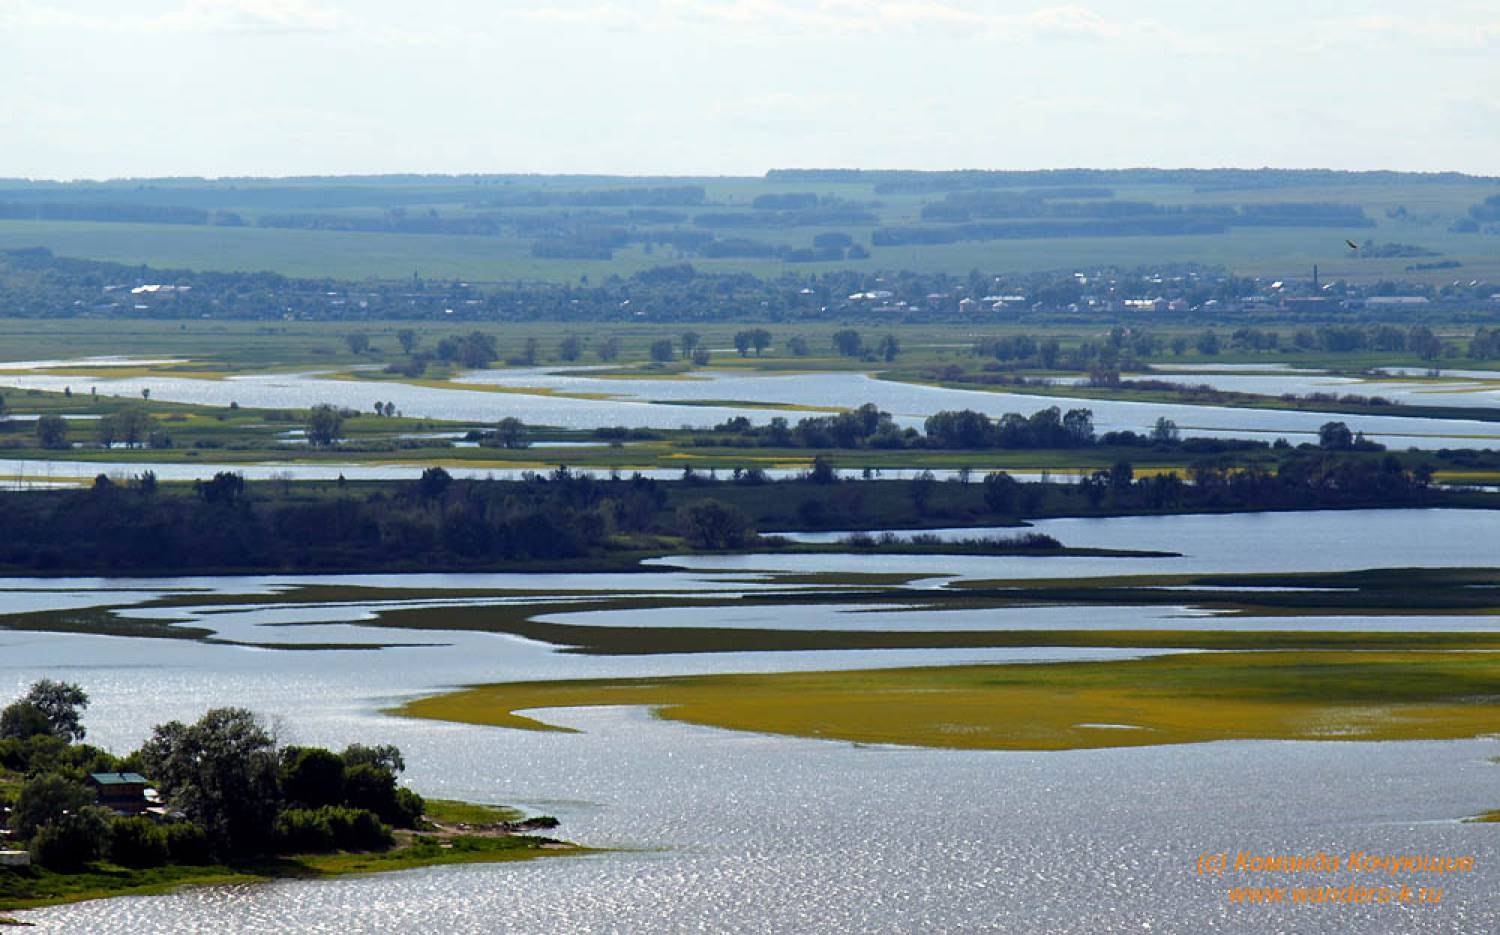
[{"x": 1407, "y": 209}]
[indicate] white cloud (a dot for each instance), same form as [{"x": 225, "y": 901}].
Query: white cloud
[
  {"x": 856, "y": 19},
  {"x": 217, "y": 16},
  {"x": 256, "y": 16},
  {"x": 1478, "y": 32}
]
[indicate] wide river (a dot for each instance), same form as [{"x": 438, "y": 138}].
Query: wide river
[
  {"x": 716, "y": 830},
  {"x": 711, "y": 397}
]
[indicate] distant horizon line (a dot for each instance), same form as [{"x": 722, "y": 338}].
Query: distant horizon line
[{"x": 787, "y": 173}]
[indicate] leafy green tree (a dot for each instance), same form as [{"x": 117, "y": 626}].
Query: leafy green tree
[
  {"x": 888, "y": 348},
  {"x": 52, "y": 431},
  {"x": 797, "y": 346},
  {"x": 510, "y": 432},
  {"x": 608, "y": 349},
  {"x": 60, "y": 705},
  {"x": 569, "y": 348},
  {"x": 373, "y": 788},
  {"x": 358, "y": 342},
  {"x": 226, "y": 487},
  {"x": 407, "y": 339},
  {"x": 22, "y": 720},
  {"x": 223, "y": 773},
  {"x": 47, "y": 798},
  {"x": 1078, "y": 426},
  {"x": 384, "y": 755},
  {"x": 760, "y": 339},
  {"x": 474, "y": 350},
  {"x": 433, "y": 483},
  {"x": 742, "y": 343},
  {"x": 701, "y": 357},
  {"x": 312, "y": 776},
  {"x": 847, "y": 342},
  {"x": 138, "y": 842},
  {"x": 1335, "y": 436},
  {"x": 1000, "y": 492},
  {"x": 132, "y": 426},
  {"x": 324, "y": 423},
  {"x": 69, "y": 842},
  {"x": 1165, "y": 431},
  {"x": 689, "y": 341},
  {"x": 710, "y": 524},
  {"x": 662, "y": 351}
]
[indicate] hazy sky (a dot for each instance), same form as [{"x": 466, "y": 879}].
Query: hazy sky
[{"x": 98, "y": 88}]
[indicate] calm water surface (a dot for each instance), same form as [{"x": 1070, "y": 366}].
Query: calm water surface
[
  {"x": 724, "y": 831},
  {"x": 665, "y": 403}
]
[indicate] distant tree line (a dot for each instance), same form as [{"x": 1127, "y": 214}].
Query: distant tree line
[{"x": 36, "y": 283}]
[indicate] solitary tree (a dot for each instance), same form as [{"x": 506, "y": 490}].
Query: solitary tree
[
  {"x": 847, "y": 342},
  {"x": 569, "y": 348},
  {"x": 407, "y": 339},
  {"x": 608, "y": 349},
  {"x": 358, "y": 342},
  {"x": 324, "y": 422},
  {"x": 52, "y": 431},
  {"x": 1165, "y": 431},
  {"x": 760, "y": 339},
  {"x": 689, "y": 341},
  {"x": 511, "y": 433},
  {"x": 662, "y": 351},
  {"x": 529, "y": 352}
]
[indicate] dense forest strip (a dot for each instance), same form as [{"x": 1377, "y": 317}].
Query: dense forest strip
[{"x": 570, "y": 521}]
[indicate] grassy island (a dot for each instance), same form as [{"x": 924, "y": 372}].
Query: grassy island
[{"x": 1181, "y": 698}]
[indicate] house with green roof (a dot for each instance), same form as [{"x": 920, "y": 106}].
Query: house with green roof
[{"x": 121, "y": 793}]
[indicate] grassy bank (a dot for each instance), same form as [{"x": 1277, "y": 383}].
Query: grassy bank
[
  {"x": 438, "y": 844},
  {"x": 1060, "y": 706},
  {"x": 35, "y": 887}
]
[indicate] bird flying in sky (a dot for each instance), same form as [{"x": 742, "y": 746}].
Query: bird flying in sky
[{"x": 1352, "y": 245}]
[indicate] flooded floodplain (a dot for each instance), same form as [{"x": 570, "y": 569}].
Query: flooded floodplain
[{"x": 713, "y": 828}]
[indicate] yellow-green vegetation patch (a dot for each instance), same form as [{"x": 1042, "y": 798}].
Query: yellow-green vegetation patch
[
  {"x": 749, "y": 404},
  {"x": 1185, "y": 698},
  {"x": 452, "y": 811},
  {"x": 127, "y": 372},
  {"x": 518, "y": 390}
]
